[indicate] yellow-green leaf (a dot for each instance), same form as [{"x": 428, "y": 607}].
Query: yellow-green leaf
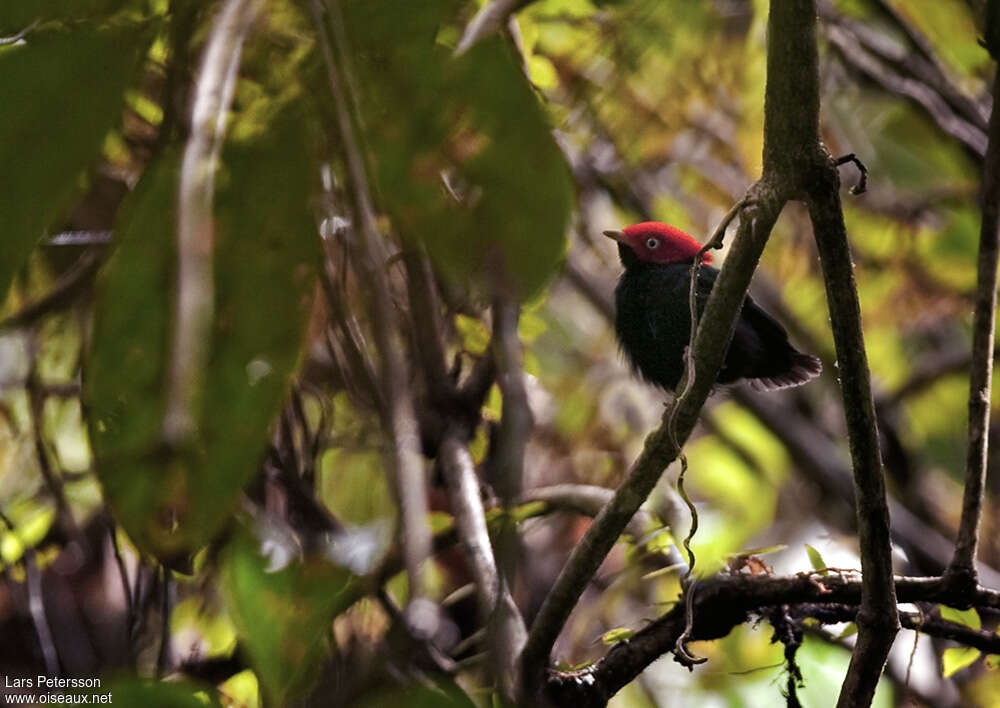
[{"x": 955, "y": 659}]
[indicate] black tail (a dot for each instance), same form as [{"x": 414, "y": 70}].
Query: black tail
[{"x": 805, "y": 367}]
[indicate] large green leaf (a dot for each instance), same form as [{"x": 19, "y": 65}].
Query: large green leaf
[
  {"x": 171, "y": 502},
  {"x": 282, "y": 610},
  {"x": 145, "y": 693},
  {"x": 62, "y": 92},
  {"x": 464, "y": 156}
]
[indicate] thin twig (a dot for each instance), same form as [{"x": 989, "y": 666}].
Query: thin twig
[
  {"x": 981, "y": 369},
  {"x": 61, "y": 294},
  {"x": 126, "y": 588},
  {"x": 862, "y": 186},
  {"x": 15, "y": 38},
  {"x": 36, "y": 605},
  {"x": 163, "y": 655},
  {"x": 194, "y": 299}
]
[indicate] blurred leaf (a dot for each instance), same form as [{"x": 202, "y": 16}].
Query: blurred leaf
[
  {"x": 954, "y": 659},
  {"x": 816, "y": 560},
  {"x": 282, "y": 615},
  {"x": 15, "y": 16},
  {"x": 465, "y": 160},
  {"x": 849, "y": 630},
  {"x": 444, "y": 694},
  {"x": 473, "y": 333},
  {"x": 966, "y": 618},
  {"x": 172, "y": 503},
  {"x": 146, "y": 693},
  {"x": 43, "y": 146},
  {"x": 241, "y": 690},
  {"x": 617, "y": 635},
  {"x": 992, "y": 661}
]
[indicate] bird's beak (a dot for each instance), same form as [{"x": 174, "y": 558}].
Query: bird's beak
[{"x": 616, "y": 235}]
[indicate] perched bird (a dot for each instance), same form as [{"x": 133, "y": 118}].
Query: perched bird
[{"x": 653, "y": 317}]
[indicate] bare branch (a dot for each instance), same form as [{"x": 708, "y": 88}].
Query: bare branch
[
  {"x": 981, "y": 368},
  {"x": 495, "y": 602},
  {"x": 725, "y": 601},
  {"x": 877, "y": 621},
  {"x": 194, "y": 306}
]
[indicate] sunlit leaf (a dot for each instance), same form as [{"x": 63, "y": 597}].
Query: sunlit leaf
[
  {"x": 954, "y": 659},
  {"x": 816, "y": 560},
  {"x": 848, "y": 631},
  {"x": 967, "y": 618},
  {"x": 44, "y": 147},
  {"x": 617, "y": 635}
]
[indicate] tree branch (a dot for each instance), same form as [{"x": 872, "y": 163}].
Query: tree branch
[
  {"x": 194, "y": 299},
  {"x": 981, "y": 368},
  {"x": 877, "y": 620},
  {"x": 725, "y": 601}
]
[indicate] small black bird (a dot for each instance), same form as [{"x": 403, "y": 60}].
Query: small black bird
[{"x": 653, "y": 317}]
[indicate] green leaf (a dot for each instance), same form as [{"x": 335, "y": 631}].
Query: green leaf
[
  {"x": 617, "y": 635},
  {"x": 16, "y": 16},
  {"x": 157, "y": 694},
  {"x": 955, "y": 659},
  {"x": 850, "y": 629},
  {"x": 172, "y": 502},
  {"x": 445, "y": 694},
  {"x": 43, "y": 146},
  {"x": 966, "y": 618},
  {"x": 464, "y": 155},
  {"x": 816, "y": 560},
  {"x": 282, "y": 609}
]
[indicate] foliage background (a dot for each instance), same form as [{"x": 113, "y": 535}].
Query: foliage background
[{"x": 657, "y": 112}]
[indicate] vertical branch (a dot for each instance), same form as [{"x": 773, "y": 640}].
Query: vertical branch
[
  {"x": 981, "y": 369},
  {"x": 877, "y": 618},
  {"x": 495, "y": 602},
  {"x": 195, "y": 295},
  {"x": 407, "y": 463},
  {"x": 792, "y": 149},
  {"x": 516, "y": 421}
]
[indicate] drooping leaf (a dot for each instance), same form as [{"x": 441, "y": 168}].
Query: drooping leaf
[
  {"x": 282, "y": 608},
  {"x": 44, "y": 147},
  {"x": 171, "y": 502},
  {"x": 464, "y": 157}
]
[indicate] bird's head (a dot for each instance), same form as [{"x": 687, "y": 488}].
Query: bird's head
[{"x": 653, "y": 242}]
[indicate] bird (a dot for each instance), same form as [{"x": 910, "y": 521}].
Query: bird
[{"x": 653, "y": 316}]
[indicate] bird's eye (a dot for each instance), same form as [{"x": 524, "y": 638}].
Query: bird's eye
[{"x": 652, "y": 243}]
